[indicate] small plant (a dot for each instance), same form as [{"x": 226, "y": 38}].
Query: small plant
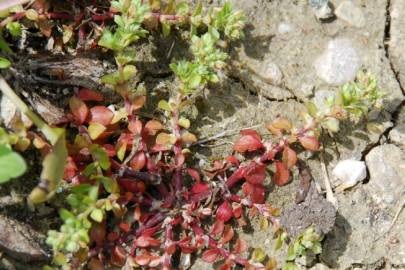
[{"x": 309, "y": 240}]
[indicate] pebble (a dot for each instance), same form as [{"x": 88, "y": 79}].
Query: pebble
[
  {"x": 285, "y": 28},
  {"x": 339, "y": 63},
  {"x": 350, "y": 13},
  {"x": 386, "y": 164},
  {"x": 397, "y": 136},
  {"x": 268, "y": 71},
  {"x": 348, "y": 173}
]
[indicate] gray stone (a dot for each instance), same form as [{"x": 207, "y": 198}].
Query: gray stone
[
  {"x": 285, "y": 28},
  {"x": 350, "y": 13},
  {"x": 347, "y": 173},
  {"x": 267, "y": 71},
  {"x": 397, "y": 136},
  {"x": 386, "y": 165},
  {"x": 361, "y": 234},
  {"x": 19, "y": 241},
  {"x": 325, "y": 12},
  {"x": 339, "y": 63},
  {"x": 397, "y": 37}
]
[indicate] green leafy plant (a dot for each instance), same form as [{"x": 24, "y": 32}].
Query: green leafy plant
[{"x": 309, "y": 240}]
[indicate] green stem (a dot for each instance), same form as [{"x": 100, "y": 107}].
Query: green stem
[{"x": 49, "y": 133}]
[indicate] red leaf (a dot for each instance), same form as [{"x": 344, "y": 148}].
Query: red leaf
[
  {"x": 237, "y": 211},
  {"x": 125, "y": 227},
  {"x": 217, "y": 228},
  {"x": 249, "y": 142},
  {"x": 233, "y": 160},
  {"x": 89, "y": 95},
  {"x": 200, "y": 188},
  {"x": 112, "y": 236},
  {"x": 251, "y": 132},
  {"x": 139, "y": 161},
  {"x": 110, "y": 150},
  {"x": 79, "y": 109},
  {"x": 171, "y": 249},
  {"x": 143, "y": 259},
  {"x": 146, "y": 241},
  {"x": 194, "y": 174},
  {"x": 98, "y": 233},
  {"x": 255, "y": 173},
  {"x": 211, "y": 255},
  {"x": 153, "y": 126},
  {"x": 227, "y": 265},
  {"x": 289, "y": 157},
  {"x": 95, "y": 264},
  {"x": 310, "y": 143},
  {"x": 228, "y": 235},
  {"x": 179, "y": 159},
  {"x": 282, "y": 175},
  {"x": 119, "y": 256},
  {"x": 70, "y": 169},
  {"x": 101, "y": 115},
  {"x": 256, "y": 192},
  {"x": 240, "y": 246},
  {"x": 135, "y": 126},
  {"x": 224, "y": 212}
]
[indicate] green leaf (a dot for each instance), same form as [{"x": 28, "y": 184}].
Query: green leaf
[
  {"x": 12, "y": 165},
  {"x": 184, "y": 122},
  {"x": 290, "y": 266},
  {"x": 95, "y": 130},
  {"x": 129, "y": 72},
  {"x": 65, "y": 215},
  {"x": 4, "y": 62},
  {"x": 101, "y": 156},
  {"x": 164, "y": 105},
  {"x": 291, "y": 253},
  {"x": 97, "y": 215},
  {"x": 312, "y": 109},
  {"x": 258, "y": 255},
  {"x": 182, "y": 8},
  {"x": 14, "y": 28},
  {"x": 166, "y": 27}
]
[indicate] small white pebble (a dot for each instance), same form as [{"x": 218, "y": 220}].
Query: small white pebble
[{"x": 348, "y": 173}]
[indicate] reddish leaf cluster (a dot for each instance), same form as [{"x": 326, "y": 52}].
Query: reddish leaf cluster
[{"x": 154, "y": 213}]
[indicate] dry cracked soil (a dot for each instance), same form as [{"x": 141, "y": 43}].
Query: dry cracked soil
[{"x": 288, "y": 57}]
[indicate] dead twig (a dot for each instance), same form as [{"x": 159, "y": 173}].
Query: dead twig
[
  {"x": 222, "y": 135},
  {"x": 401, "y": 206},
  {"x": 329, "y": 192}
]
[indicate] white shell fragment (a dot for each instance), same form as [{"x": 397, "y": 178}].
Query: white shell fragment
[{"x": 348, "y": 173}]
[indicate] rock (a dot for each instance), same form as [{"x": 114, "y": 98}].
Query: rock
[
  {"x": 284, "y": 28},
  {"x": 19, "y": 241},
  {"x": 319, "y": 266},
  {"x": 339, "y": 63},
  {"x": 386, "y": 164},
  {"x": 322, "y": 9},
  {"x": 348, "y": 173},
  {"x": 361, "y": 235},
  {"x": 267, "y": 71},
  {"x": 397, "y": 36},
  {"x": 397, "y": 136},
  {"x": 350, "y": 13},
  {"x": 324, "y": 13}
]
